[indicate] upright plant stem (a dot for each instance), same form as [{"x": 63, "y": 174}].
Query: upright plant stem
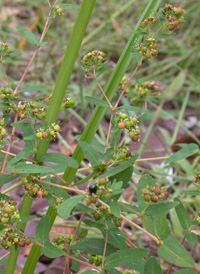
[
  {"x": 56, "y": 101},
  {"x": 24, "y": 212}
]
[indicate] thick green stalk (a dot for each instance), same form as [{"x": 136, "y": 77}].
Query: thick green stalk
[
  {"x": 56, "y": 101},
  {"x": 67, "y": 66},
  {"x": 97, "y": 114},
  {"x": 24, "y": 212}
]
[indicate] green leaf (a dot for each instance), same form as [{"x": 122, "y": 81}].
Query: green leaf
[
  {"x": 91, "y": 154},
  {"x": 96, "y": 101},
  {"x": 123, "y": 257},
  {"x": 121, "y": 167},
  {"x": 75, "y": 264},
  {"x": 4, "y": 105},
  {"x": 136, "y": 54},
  {"x": 94, "y": 246},
  {"x": 182, "y": 215},
  {"x": 69, "y": 6},
  {"x": 175, "y": 85},
  {"x": 114, "y": 207},
  {"x": 33, "y": 88},
  {"x": 186, "y": 271},
  {"x": 93, "y": 224},
  {"x": 21, "y": 125},
  {"x": 50, "y": 251},
  {"x": 91, "y": 272},
  {"x": 186, "y": 151},
  {"x": 22, "y": 154},
  {"x": 192, "y": 192},
  {"x": 115, "y": 238},
  {"x": 145, "y": 180},
  {"x": 11, "y": 54},
  {"x": 160, "y": 208},
  {"x": 123, "y": 176},
  {"x": 31, "y": 168},
  {"x": 112, "y": 271},
  {"x": 152, "y": 266},
  {"x": 26, "y": 219},
  {"x": 174, "y": 253},
  {"x": 59, "y": 159},
  {"x": 28, "y": 34},
  {"x": 162, "y": 226},
  {"x": 82, "y": 207},
  {"x": 42, "y": 230},
  {"x": 65, "y": 208},
  {"x": 4, "y": 179},
  {"x": 191, "y": 238}
]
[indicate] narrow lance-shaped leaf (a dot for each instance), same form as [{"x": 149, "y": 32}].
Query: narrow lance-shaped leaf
[
  {"x": 42, "y": 230},
  {"x": 174, "y": 253},
  {"x": 152, "y": 266},
  {"x": 65, "y": 208},
  {"x": 186, "y": 151},
  {"x": 51, "y": 251},
  {"x": 182, "y": 214},
  {"x": 123, "y": 257},
  {"x": 186, "y": 271},
  {"x": 91, "y": 154},
  {"x": 160, "y": 208},
  {"x": 28, "y": 34}
]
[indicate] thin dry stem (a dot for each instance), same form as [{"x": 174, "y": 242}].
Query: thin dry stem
[
  {"x": 129, "y": 81},
  {"x": 105, "y": 247},
  {"x": 109, "y": 131},
  {"x": 110, "y": 105}
]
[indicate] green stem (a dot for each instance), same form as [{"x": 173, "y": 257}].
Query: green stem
[
  {"x": 24, "y": 212},
  {"x": 98, "y": 113},
  {"x": 181, "y": 113},
  {"x": 56, "y": 101},
  {"x": 12, "y": 187}
]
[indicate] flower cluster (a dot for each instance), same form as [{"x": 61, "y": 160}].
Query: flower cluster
[
  {"x": 58, "y": 11},
  {"x": 105, "y": 213},
  {"x": 6, "y": 94},
  {"x": 31, "y": 110},
  {"x": 95, "y": 259},
  {"x": 11, "y": 237},
  {"x": 197, "y": 177},
  {"x": 122, "y": 85},
  {"x": 8, "y": 212},
  {"x": 50, "y": 132},
  {"x": 4, "y": 48},
  {"x": 129, "y": 123},
  {"x": 58, "y": 201},
  {"x": 173, "y": 16},
  {"x": 62, "y": 242},
  {"x": 33, "y": 188},
  {"x": 122, "y": 153},
  {"x": 93, "y": 61},
  {"x": 144, "y": 90},
  {"x": 148, "y": 22},
  {"x": 154, "y": 194},
  {"x": 148, "y": 48},
  {"x": 3, "y": 131}
]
